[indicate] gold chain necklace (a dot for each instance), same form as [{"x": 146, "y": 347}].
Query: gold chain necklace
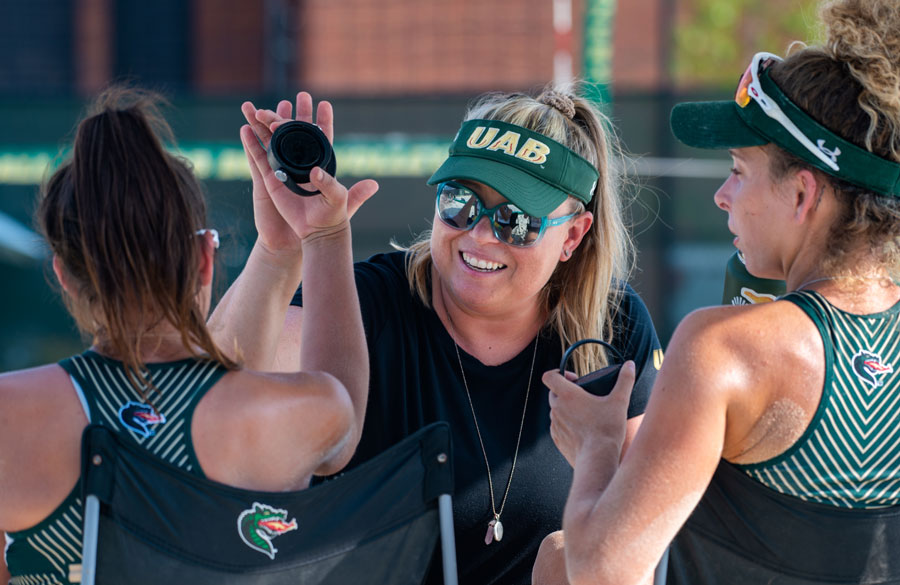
[{"x": 495, "y": 527}]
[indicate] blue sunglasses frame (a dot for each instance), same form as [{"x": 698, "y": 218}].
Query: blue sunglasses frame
[{"x": 491, "y": 214}]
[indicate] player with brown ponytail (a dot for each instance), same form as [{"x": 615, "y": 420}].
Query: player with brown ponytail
[{"x": 125, "y": 219}]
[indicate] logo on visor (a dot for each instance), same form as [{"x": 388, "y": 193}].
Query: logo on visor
[
  {"x": 532, "y": 151},
  {"x": 832, "y": 154}
]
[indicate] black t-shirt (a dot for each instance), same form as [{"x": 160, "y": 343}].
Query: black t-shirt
[{"x": 415, "y": 380}]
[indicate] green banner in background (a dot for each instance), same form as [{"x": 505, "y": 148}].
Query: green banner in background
[
  {"x": 393, "y": 157},
  {"x": 598, "y": 48},
  {"x": 25, "y": 166}
]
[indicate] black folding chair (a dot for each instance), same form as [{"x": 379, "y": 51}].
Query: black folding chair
[{"x": 148, "y": 522}]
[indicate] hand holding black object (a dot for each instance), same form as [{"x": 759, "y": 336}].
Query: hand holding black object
[
  {"x": 599, "y": 382},
  {"x": 295, "y": 149},
  {"x": 282, "y": 219},
  {"x": 581, "y": 422}
]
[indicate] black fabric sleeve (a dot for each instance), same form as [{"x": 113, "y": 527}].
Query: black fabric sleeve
[
  {"x": 380, "y": 284},
  {"x": 379, "y": 279},
  {"x": 635, "y": 336}
]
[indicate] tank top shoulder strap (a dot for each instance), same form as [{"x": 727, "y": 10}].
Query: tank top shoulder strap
[
  {"x": 210, "y": 376},
  {"x": 79, "y": 382},
  {"x": 162, "y": 422},
  {"x": 813, "y": 304}
]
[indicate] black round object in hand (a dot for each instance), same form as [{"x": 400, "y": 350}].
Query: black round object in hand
[
  {"x": 599, "y": 382},
  {"x": 296, "y": 148}
]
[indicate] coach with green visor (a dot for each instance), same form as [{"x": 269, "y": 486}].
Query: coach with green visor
[{"x": 528, "y": 253}]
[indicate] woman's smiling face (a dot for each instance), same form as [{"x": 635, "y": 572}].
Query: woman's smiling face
[{"x": 484, "y": 275}]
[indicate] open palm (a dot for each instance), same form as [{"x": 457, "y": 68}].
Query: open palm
[{"x": 283, "y": 218}]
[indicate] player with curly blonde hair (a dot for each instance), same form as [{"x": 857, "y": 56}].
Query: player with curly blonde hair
[{"x": 770, "y": 449}]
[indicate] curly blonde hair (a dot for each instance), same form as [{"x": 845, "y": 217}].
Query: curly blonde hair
[
  {"x": 851, "y": 85},
  {"x": 582, "y": 294}
]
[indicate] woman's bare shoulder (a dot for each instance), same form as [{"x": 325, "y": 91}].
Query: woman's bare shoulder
[
  {"x": 282, "y": 425},
  {"x": 36, "y": 375},
  {"x": 281, "y": 396},
  {"x": 749, "y": 358},
  {"x": 41, "y": 421},
  {"x": 41, "y": 388},
  {"x": 744, "y": 352},
  {"x": 764, "y": 326}
]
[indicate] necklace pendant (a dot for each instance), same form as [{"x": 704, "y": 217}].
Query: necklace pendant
[
  {"x": 494, "y": 531},
  {"x": 489, "y": 537}
]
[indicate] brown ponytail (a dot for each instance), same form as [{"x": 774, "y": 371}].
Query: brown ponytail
[{"x": 120, "y": 215}]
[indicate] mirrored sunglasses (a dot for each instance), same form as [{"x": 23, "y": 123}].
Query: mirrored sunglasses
[
  {"x": 749, "y": 88},
  {"x": 460, "y": 208}
]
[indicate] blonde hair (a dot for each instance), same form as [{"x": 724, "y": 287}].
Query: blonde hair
[
  {"x": 851, "y": 85},
  {"x": 583, "y": 293}
]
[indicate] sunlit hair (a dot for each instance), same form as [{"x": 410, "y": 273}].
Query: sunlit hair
[
  {"x": 851, "y": 85},
  {"x": 582, "y": 294},
  {"x": 121, "y": 215}
]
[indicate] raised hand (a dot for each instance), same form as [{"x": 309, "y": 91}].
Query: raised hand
[{"x": 283, "y": 219}]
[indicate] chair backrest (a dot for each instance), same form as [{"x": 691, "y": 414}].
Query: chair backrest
[
  {"x": 743, "y": 533},
  {"x": 148, "y": 522}
]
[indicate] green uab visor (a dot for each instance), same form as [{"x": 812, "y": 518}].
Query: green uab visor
[
  {"x": 532, "y": 171},
  {"x": 761, "y": 113}
]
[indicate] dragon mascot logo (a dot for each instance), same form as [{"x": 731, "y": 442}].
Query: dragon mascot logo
[
  {"x": 869, "y": 368},
  {"x": 262, "y": 523},
  {"x": 138, "y": 418}
]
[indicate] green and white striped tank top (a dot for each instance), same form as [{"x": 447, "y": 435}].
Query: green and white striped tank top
[
  {"x": 50, "y": 553},
  {"x": 849, "y": 456}
]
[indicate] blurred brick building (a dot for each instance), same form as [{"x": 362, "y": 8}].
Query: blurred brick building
[
  {"x": 400, "y": 72},
  {"x": 335, "y": 47}
]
